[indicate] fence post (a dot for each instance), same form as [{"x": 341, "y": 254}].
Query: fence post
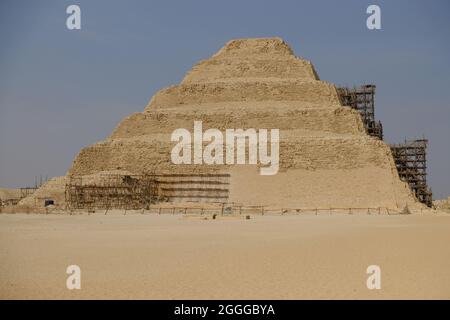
[{"x": 159, "y": 210}]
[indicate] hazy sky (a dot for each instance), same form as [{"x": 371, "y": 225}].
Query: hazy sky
[{"x": 61, "y": 90}]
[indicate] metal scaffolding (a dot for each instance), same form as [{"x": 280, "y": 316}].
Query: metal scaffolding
[
  {"x": 362, "y": 99},
  {"x": 117, "y": 191},
  {"x": 411, "y": 161},
  {"x": 111, "y": 191}
]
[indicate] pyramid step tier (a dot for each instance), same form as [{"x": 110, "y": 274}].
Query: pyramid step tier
[
  {"x": 296, "y": 152},
  {"x": 339, "y": 120},
  {"x": 228, "y": 70},
  {"x": 317, "y": 92}
]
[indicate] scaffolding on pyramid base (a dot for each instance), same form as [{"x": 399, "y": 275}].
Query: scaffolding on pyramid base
[
  {"x": 411, "y": 161},
  {"x": 111, "y": 191}
]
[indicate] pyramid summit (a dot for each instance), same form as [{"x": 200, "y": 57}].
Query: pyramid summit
[
  {"x": 326, "y": 157},
  {"x": 252, "y": 59}
]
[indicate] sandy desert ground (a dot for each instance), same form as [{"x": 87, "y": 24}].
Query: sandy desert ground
[{"x": 266, "y": 257}]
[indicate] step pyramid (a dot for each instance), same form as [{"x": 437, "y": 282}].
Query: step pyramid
[{"x": 326, "y": 157}]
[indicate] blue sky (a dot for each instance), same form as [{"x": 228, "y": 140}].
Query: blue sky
[{"x": 61, "y": 90}]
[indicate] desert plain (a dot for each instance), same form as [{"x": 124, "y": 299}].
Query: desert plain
[{"x": 151, "y": 256}]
